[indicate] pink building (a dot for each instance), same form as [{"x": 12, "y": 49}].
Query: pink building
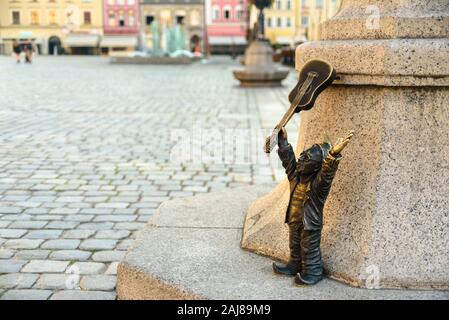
[
  {"x": 121, "y": 24},
  {"x": 227, "y": 23}
]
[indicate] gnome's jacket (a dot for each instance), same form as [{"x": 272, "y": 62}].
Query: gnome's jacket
[{"x": 317, "y": 190}]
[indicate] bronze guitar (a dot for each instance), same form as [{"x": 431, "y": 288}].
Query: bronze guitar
[{"x": 314, "y": 77}]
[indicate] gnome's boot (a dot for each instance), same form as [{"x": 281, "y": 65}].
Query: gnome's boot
[
  {"x": 294, "y": 263},
  {"x": 311, "y": 264}
]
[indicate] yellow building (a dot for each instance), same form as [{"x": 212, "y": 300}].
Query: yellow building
[
  {"x": 75, "y": 25},
  {"x": 280, "y": 22},
  {"x": 311, "y": 13},
  {"x": 291, "y": 21}
]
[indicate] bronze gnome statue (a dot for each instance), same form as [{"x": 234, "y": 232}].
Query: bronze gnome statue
[{"x": 310, "y": 180}]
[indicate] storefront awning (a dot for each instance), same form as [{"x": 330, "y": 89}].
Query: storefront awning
[
  {"x": 81, "y": 40},
  {"x": 285, "y": 40},
  {"x": 227, "y": 40},
  {"x": 118, "y": 41},
  {"x": 25, "y": 35}
]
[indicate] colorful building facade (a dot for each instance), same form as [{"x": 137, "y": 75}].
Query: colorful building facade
[
  {"x": 290, "y": 21},
  {"x": 311, "y": 13},
  {"x": 121, "y": 25},
  {"x": 52, "y": 25},
  {"x": 280, "y": 22},
  {"x": 165, "y": 14},
  {"x": 227, "y": 25}
]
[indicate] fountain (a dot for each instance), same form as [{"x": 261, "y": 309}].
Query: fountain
[
  {"x": 167, "y": 47},
  {"x": 259, "y": 68}
]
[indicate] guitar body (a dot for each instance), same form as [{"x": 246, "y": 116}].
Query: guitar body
[
  {"x": 314, "y": 77},
  {"x": 325, "y": 76}
]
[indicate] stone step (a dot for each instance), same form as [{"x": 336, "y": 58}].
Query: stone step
[{"x": 190, "y": 249}]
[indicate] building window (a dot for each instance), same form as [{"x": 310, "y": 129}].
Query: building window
[
  {"x": 87, "y": 17},
  {"x": 289, "y": 4},
  {"x": 319, "y": 3},
  {"x": 227, "y": 14},
  {"x": 215, "y": 13},
  {"x": 52, "y": 17},
  {"x": 305, "y": 21},
  {"x": 131, "y": 2},
  {"x": 278, "y": 4},
  {"x": 304, "y": 3},
  {"x": 195, "y": 18},
  {"x": 239, "y": 13},
  {"x": 179, "y": 19},
  {"x": 121, "y": 2},
  {"x": 288, "y": 22},
  {"x": 279, "y": 22},
  {"x": 269, "y": 22},
  {"x": 121, "y": 19},
  {"x": 149, "y": 20},
  {"x": 34, "y": 17},
  {"x": 131, "y": 19},
  {"x": 111, "y": 18},
  {"x": 15, "y": 17}
]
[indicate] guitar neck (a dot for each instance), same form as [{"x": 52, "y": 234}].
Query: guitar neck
[{"x": 291, "y": 111}]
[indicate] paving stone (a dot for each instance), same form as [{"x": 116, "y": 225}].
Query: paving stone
[
  {"x": 112, "y": 268},
  {"x": 79, "y": 218},
  {"x": 115, "y": 218},
  {"x": 32, "y": 254},
  {"x": 43, "y": 234},
  {"x": 41, "y": 266},
  {"x": 10, "y": 210},
  {"x": 98, "y": 244},
  {"x": 96, "y": 211},
  {"x": 98, "y": 282},
  {"x": 12, "y": 233},
  {"x": 11, "y": 266},
  {"x": 61, "y": 244},
  {"x": 88, "y": 267},
  {"x": 125, "y": 244},
  {"x": 17, "y": 280},
  {"x": 22, "y": 243},
  {"x": 70, "y": 255},
  {"x": 78, "y": 234},
  {"x": 64, "y": 211},
  {"x": 96, "y": 226},
  {"x": 57, "y": 281},
  {"x": 112, "y": 234},
  {"x": 83, "y": 295},
  {"x": 26, "y": 294},
  {"x": 28, "y": 224},
  {"x": 112, "y": 205},
  {"x": 6, "y": 253},
  {"x": 4, "y": 224},
  {"x": 62, "y": 225},
  {"x": 108, "y": 256},
  {"x": 129, "y": 225}
]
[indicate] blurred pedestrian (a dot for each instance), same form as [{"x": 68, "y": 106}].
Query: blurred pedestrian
[
  {"x": 28, "y": 51},
  {"x": 17, "y": 50}
]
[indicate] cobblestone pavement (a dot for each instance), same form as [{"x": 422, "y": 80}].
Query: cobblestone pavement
[{"x": 86, "y": 157}]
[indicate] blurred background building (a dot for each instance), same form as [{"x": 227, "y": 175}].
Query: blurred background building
[
  {"x": 121, "y": 25},
  {"x": 169, "y": 13},
  {"x": 52, "y": 25},
  {"x": 227, "y": 26},
  {"x": 310, "y": 13},
  {"x": 103, "y": 26},
  {"x": 280, "y": 22}
]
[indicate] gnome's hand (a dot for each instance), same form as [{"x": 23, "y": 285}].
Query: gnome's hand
[
  {"x": 282, "y": 138},
  {"x": 341, "y": 144}
]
